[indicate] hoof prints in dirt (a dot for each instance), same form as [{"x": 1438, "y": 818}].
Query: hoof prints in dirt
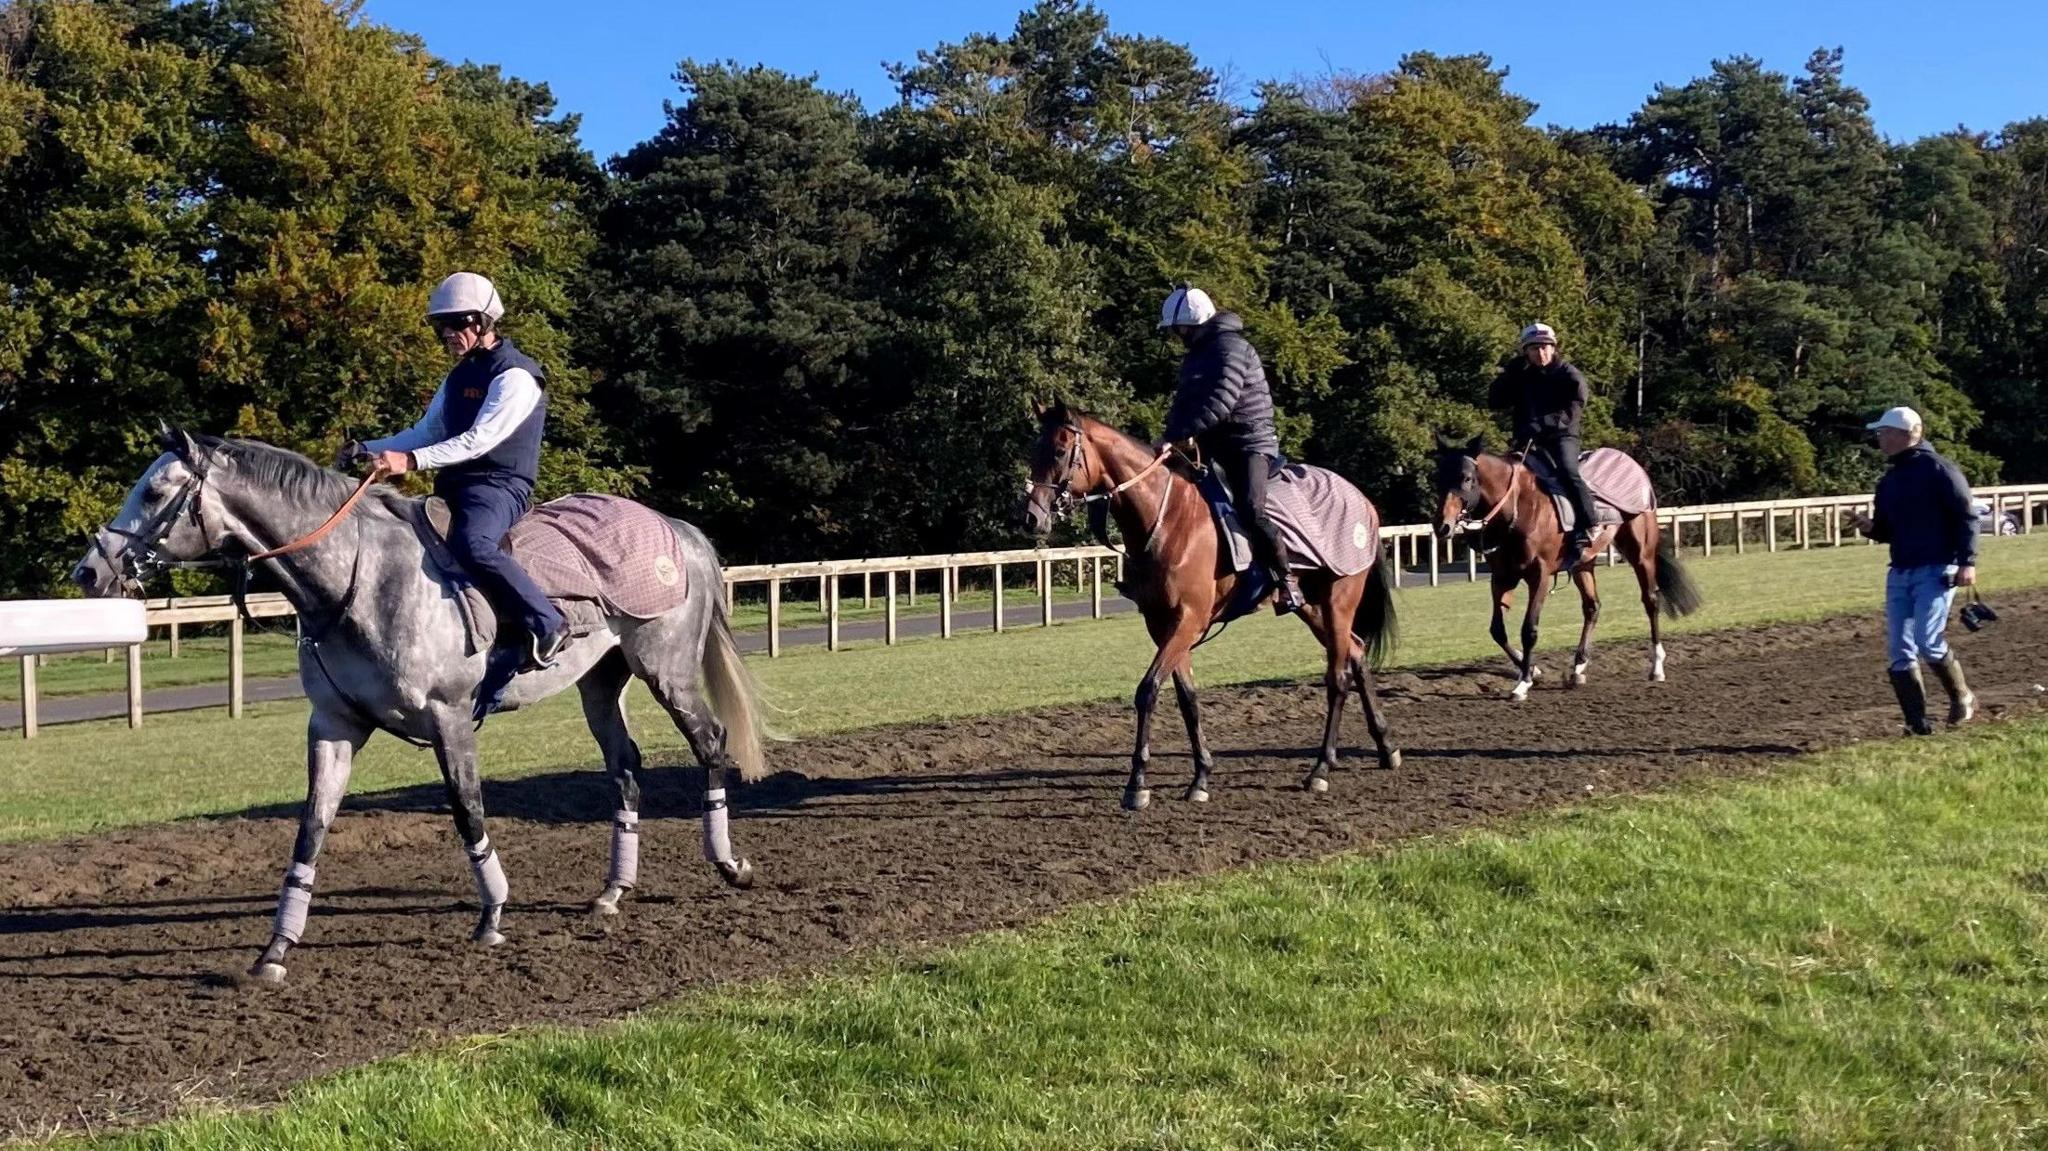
[{"x": 119, "y": 953}]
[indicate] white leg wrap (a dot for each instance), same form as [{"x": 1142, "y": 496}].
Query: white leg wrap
[
  {"x": 293, "y": 902},
  {"x": 625, "y": 849},
  {"x": 717, "y": 833},
  {"x": 491, "y": 888}
]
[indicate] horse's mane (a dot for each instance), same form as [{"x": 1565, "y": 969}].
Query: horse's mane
[{"x": 293, "y": 476}]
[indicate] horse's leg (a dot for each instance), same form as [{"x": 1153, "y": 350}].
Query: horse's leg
[
  {"x": 1330, "y": 621},
  {"x": 1176, "y": 637},
  {"x": 700, "y": 727},
  {"x": 1375, "y": 719},
  {"x": 603, "y": 689},
  {"x": 1638, "y": 545},
  {"x": 331, "y": 745},
  {"x": 455, "y": 747},
  {"x": 1532, "y": 618},
  {"x": 1589, "y": 602},
  {"x": 1191, "y": 714},
  {"x": 1504, "y": 582}
]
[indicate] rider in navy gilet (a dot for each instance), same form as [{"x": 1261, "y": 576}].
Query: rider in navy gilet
[{"x": 481, "y": 435}]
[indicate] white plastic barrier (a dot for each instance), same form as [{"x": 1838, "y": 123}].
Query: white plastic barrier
[
  {"x": 50, "y": 626},
  {"x": 38, "y": 627}
]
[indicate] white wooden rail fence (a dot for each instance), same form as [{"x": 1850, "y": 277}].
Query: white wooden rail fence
[{"x": 1788, "y": 524}]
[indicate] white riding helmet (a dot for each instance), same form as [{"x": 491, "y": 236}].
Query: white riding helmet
[
  {"x": 1538, "y": 334},
  {"x": 1190, "y": 306},
  {"x": 466, "y": 292}
]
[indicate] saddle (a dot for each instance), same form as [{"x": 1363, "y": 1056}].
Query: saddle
[
  {"x": 1325, "y": 523},
  {"x": 1620, "y": 486},
  {"x": 594, "y": 556}
]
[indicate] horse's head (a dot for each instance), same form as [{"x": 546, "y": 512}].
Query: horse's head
[
  {"x": 1059, "y": 469},
  {"x": 161, "y": 522},
  {"x": 1458, "y": 493}
]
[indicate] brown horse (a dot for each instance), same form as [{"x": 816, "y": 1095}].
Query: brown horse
[
  {"x": 1525, "y": 544},
  {"x": 1179, "y": 581}
]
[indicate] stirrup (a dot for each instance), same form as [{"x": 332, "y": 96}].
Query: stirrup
[
  {"x": 1286, "y": 595},
  {"x": 541, "y": 656}
]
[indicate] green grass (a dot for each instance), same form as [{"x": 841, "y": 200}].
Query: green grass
[
  {"x": 77, "y": 777},
  {"x": 1852, "y": 954}
]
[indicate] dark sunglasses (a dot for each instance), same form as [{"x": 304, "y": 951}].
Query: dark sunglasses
[{"x": 446, "y": 324}]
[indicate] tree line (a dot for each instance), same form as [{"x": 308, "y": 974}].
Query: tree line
[{"x": 815, "y": 328}]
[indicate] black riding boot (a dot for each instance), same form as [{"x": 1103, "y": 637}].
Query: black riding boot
[
  {"x": 1912, "y": 693},
  {"x": 1962, "y": 702}
]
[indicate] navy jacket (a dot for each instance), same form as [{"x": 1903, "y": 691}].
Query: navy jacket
[
  {"x": 518, "y": 457},
  {"x": 1925, "y": 512},
  {"x": 1546, "y": 402},
  {"x": 1223, "y": 402}
]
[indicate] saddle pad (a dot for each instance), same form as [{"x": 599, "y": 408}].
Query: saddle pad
[
  {"x": 1324, "y": 521},
  {"x": 625, "y": 577},
  {"x": 1621, "y": 488},
  {"x": 587, "y": 546}
]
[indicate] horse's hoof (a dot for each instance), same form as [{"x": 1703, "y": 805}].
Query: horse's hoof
[
  {"x": 487, "y": 937},
  {"x": 739, "y": 876},
  {"x": 1521, "y": 692},
  {"x": 267, "y": 974},
  {"x": 1317, "y": 785},
  {"x": 1391, "y": 761},
  {"x": 1197, "y": 795},
  {"x": 1137, "y": 798},
  {"x": 604, "y": 908}
]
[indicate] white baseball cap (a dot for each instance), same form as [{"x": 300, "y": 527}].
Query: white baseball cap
[
  {"x": 1191, "y": 306},
  {"x": 1538, "y": 334},
  {"x": 1898, "y": 419}
]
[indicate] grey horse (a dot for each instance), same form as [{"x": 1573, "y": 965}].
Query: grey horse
[{"x": 382, "y": 645}]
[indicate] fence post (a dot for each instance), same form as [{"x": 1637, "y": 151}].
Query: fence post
[
  {"x": 28, "y": 697},
  {"x": 1435, "y": 548},
  {"x": 822, "y": 592},
  {"x": 910, "y": 588},
  {"x": 174, "y": 639},
  {"x": 1771, "y": 527},
  {"x": 946, "y": 586},
  {"x": 831, "y": 613},
  {"x": 2026, "y": 514},
  {"x": 235, "y": 667},
  {"x": 1095, "y": 593},
  {"x": 1045, "y": 594},
  {"x": 889, "y": 609},
  {"x": 1706, "y": 533},
  {"x": 774, "y": 617},
  {"x": 1471, "y": 562},
  {"x": 867, "y": 590},
  {"x": 729, "y": 599},
  {"x": 997, "y": 591},
  {"x": 1741, "y": 545},
  {"x": 1834, "y": 526},
  {"x": 135, "y": 685}
]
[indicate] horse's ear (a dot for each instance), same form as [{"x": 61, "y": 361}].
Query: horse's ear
[
  {"x": 1444, "y": 442},
  {"x": 1476, "y": 444},
  {"x": 1038, "y": 408},
  {"x": 177, "y": 441}
]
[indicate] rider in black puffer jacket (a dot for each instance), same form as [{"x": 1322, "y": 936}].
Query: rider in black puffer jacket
[{"x": 1224, "y": 405}]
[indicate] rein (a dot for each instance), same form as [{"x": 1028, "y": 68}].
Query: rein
[
  {"x": 377, "y": 472},
  {"x": 1507, "y": 500},
  {"x": 1061, "y": 490}
]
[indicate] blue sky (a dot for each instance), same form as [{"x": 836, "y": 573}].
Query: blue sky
[{"x": 1926, "y": 67}]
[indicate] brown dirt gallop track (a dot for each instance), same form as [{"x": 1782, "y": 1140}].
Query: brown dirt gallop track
[{"x": 115, "y": 950}]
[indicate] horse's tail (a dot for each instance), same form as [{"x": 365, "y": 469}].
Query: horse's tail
[
  {"x": 1676, "y": 589},
  {"x": 735, "y": 697},
  {"x": 1376, "y": 623}
]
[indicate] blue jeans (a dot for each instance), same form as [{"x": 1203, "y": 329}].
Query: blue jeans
[
  {"x": 1916, "y": 604},
  {"x": 481, "y": 512}
]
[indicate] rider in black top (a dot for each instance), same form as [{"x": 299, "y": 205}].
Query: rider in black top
[
  {"x": 1224, "y": 405},
  {"x": 1548, "y": 396}
]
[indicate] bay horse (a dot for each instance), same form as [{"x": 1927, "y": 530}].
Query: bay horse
[
  {"x": 1182, "y": 585},
  {"x": 1525, "y": 544},
  {"x": 383, "y": 646}
]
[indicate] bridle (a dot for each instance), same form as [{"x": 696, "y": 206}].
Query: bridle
[
  {"x": 1470, "y": 495},
  {"x": 143, "y": 556},
  {"x": 1063, "y": 496}
]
